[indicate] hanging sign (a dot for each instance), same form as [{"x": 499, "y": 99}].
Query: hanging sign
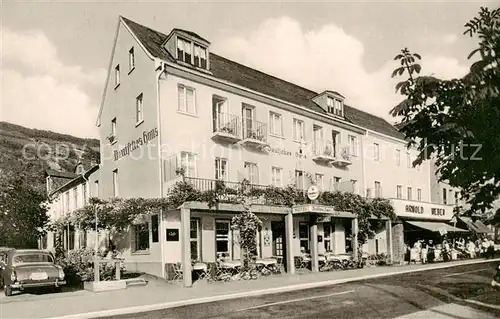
[{"x": 313, "y": 192}]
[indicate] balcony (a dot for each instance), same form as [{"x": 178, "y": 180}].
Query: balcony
[
  {"x": 226, "y": 128},
  {"x": 343, "y": 158},
  {"x": 254, "y": 134},
  {"x": 323, "y": 151}
]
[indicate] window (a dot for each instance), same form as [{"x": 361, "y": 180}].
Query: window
[
  {"x": 183, "y": 50},
  {"x": 155, "y": 225},
  {"x": 319, "y": 180},
  {"x": 408, "y": 160},
  {"x": 299, "y": 179},
  {"x": 378, "y": 189},
  {"x": 327, "y": 230},
  {"x": 376, "y": 152},
  {"x": 335, "y": 183},
  {"x": 84, "y": 194},
  {"x": 444, "y": 196},
  {"x": 419, "y": 194},
  {"x": 221, "y": 169},
  {"x": 200, "y": 57},
  {"x": 96, "y": 189},
  {"x": 398, "y": 157},
  {"x": 450, "y": 195},
  {"x": 409, "y": 194},
  {"x": 457, "y": 197},
  {"x": 275, "y": 124},
  {"x": 222, "y": 238},
  {"x": 138, "y": 109},
  {"x": 317, "y": 133},
  {"x": 304, "y": 236},
  {"x": 83, "y": 239},
  {"x": 194, "y": 237},
  {"x": 66, "y": 202},
  {"x": 117, "y": 75},
  {"x": 399, "y": 192},
  {"x": 353, "y": 147},
  {"x": 354, "y": 186},
  {"x": 187, "y": 100},
  {"x": 113, "y": 127},
  {"x": 131, "y": 59},
  {"x": 252, "y": 172},
  {"x": 75, "y": 198},
  {"x": 115, "y": 183},
  {"x": 298, "y": 130},
  {"x": 188, "y": 164},
  {"x": 277, "y": 176},
  {"x": 329, "y": 104},
  {"x": 141, "y": 237},
  {"x": 338, "y": 107}
]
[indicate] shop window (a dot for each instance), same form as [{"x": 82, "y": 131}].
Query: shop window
[
  {"x": 327, "y": 230},
  {"x": 141, "y": 237},
  {"x": 194, "y": 237},
  {"x": 304, "y": 236},
  {"x": 155, "y": 229},
  {"x": 222, "y": 238}
]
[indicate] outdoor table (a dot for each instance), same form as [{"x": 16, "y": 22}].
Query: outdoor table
[
  {"x": 266, "y": 261},
  {"x": 230, "y": 264},
  {"x": 200, "y": 266}
]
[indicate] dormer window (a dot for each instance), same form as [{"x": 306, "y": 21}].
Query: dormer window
[
  {"x": 334, "y": 106},
  {"x": 200, "y": 57},
  {"x": 184, "y": 50}
]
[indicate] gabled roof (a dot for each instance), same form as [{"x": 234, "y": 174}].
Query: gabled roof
[
  {"x": 60, "y": 174},
  {"x": 78, "y": 179},
  {"x": 258, "y": 81}
]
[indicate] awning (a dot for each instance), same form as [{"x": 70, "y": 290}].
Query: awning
[
  {"x": 476, "y": 226},
  {"x": 436, "y": 226}
]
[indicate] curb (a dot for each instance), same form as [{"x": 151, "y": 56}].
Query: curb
[{"x": 253, "y": 293}]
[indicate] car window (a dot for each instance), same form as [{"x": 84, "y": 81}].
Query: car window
[{"x": 32, "y": 258}]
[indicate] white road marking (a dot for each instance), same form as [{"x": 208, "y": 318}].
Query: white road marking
[
  {"x": 295, "y": 300},
  {"x": 465, "y": 272}
]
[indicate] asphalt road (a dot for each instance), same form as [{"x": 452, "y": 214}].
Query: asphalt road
[{"x": 428, "y": 294}]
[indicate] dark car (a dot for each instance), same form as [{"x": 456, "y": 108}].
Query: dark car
[{"x": 30, "y": 268}]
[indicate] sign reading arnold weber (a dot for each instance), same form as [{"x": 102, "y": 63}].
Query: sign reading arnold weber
[
  {"x": 422, "y": 210},
  {"x": 146, "y": 137}
]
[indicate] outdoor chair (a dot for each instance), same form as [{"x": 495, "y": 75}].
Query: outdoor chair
[{"x": 178, "y": 272}]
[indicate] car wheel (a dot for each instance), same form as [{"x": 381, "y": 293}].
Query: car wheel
[{"x": 8, "y": 291}]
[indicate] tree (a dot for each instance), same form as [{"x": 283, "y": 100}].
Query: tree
[
  {"x": 247, "y": 223},
  {"x": 23, "y": 211},
  {"x": 457, "y": 122}
]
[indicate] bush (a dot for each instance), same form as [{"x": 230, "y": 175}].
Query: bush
[{"x": 78, "y": 266}]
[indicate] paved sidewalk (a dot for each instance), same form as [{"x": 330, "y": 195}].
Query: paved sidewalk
[{"x": 159, "y": 294}]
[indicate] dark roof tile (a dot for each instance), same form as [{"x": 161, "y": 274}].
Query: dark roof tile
[{"x": 245, "y": 76}]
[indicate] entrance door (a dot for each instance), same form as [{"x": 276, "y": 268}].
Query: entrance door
[{"x": 279, "y": 242}]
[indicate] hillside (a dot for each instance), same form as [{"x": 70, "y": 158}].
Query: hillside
[{"x": 32, "y": 151}]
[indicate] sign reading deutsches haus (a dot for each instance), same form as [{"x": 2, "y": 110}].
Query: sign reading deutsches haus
[
  {"x": 146, "y": 137},
  {"x": 422, "y": 210}
]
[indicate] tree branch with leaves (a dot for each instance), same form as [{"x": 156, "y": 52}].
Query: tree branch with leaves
[{"x": 457, "y": 122}]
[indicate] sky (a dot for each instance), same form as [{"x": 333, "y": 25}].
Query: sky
[{"x": 54, "y": 55}]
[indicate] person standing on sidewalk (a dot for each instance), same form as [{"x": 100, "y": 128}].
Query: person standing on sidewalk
[{"x": 423, "y": 252}]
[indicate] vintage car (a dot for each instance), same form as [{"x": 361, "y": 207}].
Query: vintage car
[{"x": 30, "y": 268}]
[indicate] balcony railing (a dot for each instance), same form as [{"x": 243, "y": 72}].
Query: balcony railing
[
  {"x": 324, "y": 150},
  {"x": 343, "y": 158},
  {"x": 226, "y": 126},
  {"x": 254, "y": 130},
  {"x": 204, "y": 184}
]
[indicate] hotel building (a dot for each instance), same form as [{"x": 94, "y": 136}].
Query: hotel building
[{"x": 170, "y": 103}]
